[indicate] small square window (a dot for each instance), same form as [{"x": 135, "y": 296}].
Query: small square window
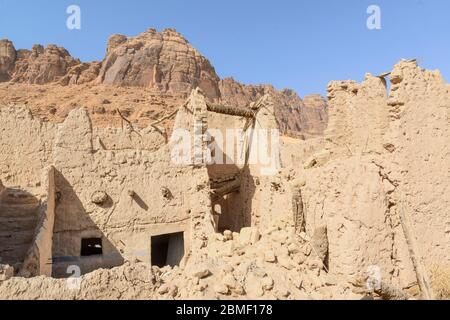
[
  {"x": 167, "y": 249},
  {"x": 91, "y": 247}
]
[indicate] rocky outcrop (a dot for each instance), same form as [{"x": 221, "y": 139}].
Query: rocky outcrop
[
  {"x": 163, "y": 62},
  {"x": 7, "y": 59},
  {"x": 42, "y": 65},
  {"x": 81, "y": 73},
  {"x": 296, "y": 117},
  {"x": 316, "y": 114}
]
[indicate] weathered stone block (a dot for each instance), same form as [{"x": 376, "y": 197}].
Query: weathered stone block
[{"x": 249, "y": 236}]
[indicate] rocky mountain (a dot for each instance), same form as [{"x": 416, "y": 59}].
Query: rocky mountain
[
  {"x": 164, "y": 63},
  {"x": 296, "y": 117},
  {"x": 36, "y": 66},
  {"x": 8, "y": 56}
]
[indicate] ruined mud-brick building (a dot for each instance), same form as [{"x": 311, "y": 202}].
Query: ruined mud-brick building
[
  {"x": 94, "y": 198},
  {"x": 370, "y": 196}
]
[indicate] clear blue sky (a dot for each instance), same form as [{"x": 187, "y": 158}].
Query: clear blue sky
[{"x": 297, "y": 44}]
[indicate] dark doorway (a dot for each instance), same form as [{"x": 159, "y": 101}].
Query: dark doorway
[
  {"x": 167, "y": 249},
  {"x": 91, "y": 247}
]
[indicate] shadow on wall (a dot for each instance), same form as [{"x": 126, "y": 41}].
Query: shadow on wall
[
  {"x": 19, "y": 213},
  {"x": 237, "y": 207},
  {"x": 139, "y": 201},
  {"x": 233, "y": 211},
  {"x": 248, "y": 190},
  {"x": 79, "y": 246}
]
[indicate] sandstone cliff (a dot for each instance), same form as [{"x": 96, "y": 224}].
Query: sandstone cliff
[
  {"x": 164, "y": 63},
  {"x": 8, "y": 56},
  {"x": 296, "y": 117},
  {"x": 38, "y": 66}
]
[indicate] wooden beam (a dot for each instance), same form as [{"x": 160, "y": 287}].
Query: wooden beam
[
  {"x": 231, "y": 111},
  {"x": 416, "y": 259},
  {"x": 228, "y": 188}
]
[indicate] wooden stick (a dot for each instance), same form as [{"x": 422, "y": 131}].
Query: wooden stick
[
  {"x": 129, "y": 122},
  {"x": 232, "y": 111},
  {"x": 123, "y": 118},
  {"x": 421, "y": 274},
  {"x": 164, "y": 118}
]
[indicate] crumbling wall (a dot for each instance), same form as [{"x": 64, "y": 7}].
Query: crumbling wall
[
  {"x": 26, "y": 147},
  {"x": 382, "y": 174},
  {"x": 349, "y": 198},
  {"x": 295, "y": 152},
  {"x": 262, "y": 190},
  {"x": 38, "y": 261},
  {"x": 227, "y": 148},
  {"x": 419, "y": 105},
  {"x": 121, "y": 186},
  {"x": 226, "y": 141},
  {"x": 18, "y": 219},
  {"x": 383, "y": 158},
  {"x": 143, "y": 191},
  {"x": 358, "y": 116},
  {"x": 127, "y": 138}
]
